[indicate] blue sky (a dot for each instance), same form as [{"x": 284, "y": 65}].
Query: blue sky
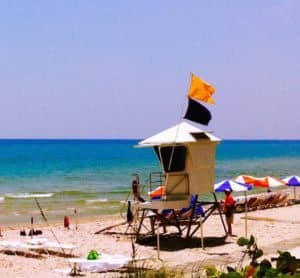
[{"x": 121, "y": 69}]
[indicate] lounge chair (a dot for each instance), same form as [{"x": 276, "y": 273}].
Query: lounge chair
[
  {"x": 105, "y": 263},
  {"x": 252, "y": 203},
  {"x": 275, "y": 200},
  {"x": 37, "y": 244},
  {"x": 270, "y": 200},
  {"x": 185, "y": 218},
  {"x": 240, "y": 204},
  {"x": 181, "y": 218},
  {"x": 51, "y": 246},
  {"x": 263, "y": 200},
  {"x": 186, "y": 212},
  {"x": 18, "y": 247},
  {"x": 267, "y": 199},
  {"x": 284, "y": 199}
]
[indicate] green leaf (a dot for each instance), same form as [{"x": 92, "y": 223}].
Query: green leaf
[
  {"x": 230, "y": 269},
  {"x": 211, "y": 271},
  {"x": 242, "y": 241},
  {"x": 232, "y": 275},
  {"x": 258, "y": 253},
  {"x": 251, "y": 241}
]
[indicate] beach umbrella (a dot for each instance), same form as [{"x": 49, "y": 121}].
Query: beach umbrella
[
  {"x": 292, "y": 181},
  {"x": 231, "y": 185},
  {"x": 238, "y": 187},
  {"x": 267, "y": 181},
  {"x": 246, "y": 179},
  {"x": 274, "y": 182}
]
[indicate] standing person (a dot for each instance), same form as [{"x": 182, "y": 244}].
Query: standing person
[
  {"x": 136, "y": 192},
  {"x": 229, "y": 207}
]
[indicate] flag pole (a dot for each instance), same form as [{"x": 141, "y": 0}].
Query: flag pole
[
  {"x": 246, "y": 216},
  {"x": 177, "y": 130},
  {"x": 158, "y": 241},
  {"x": 201, "y": 232},
  {"x": 76, "y": 219}
]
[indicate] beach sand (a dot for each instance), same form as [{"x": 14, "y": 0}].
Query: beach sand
[{"x": 275, "y": 229}]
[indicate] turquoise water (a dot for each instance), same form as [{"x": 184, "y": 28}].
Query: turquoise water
[{"x": 94, "y": 176}]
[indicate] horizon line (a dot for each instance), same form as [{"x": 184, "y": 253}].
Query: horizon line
[{"x": 91, "y": 139}]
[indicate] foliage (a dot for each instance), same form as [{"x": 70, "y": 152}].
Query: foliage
[
  {"x": 285, "y": 267},
  {"x": 252, "y": 249},
  {"x": 141, "y": 272},
  {"x": 286, "y": 263}
]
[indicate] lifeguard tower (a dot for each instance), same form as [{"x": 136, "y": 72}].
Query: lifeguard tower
[{"x": 187, "y": 158}]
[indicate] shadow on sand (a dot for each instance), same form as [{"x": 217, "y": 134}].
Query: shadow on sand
[{"x": 175, "y": 242}]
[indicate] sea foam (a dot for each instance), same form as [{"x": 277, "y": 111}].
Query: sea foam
[
  {"x": 29, "y": 195},
  {"x": 96, "y": 201}
]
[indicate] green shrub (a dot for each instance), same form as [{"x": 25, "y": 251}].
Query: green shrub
[{"x": 286, "y": 265}]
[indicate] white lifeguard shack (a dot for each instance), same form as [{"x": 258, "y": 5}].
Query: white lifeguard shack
[{"x": 187, "y": 158}]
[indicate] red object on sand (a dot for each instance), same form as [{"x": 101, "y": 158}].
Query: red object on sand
[{"x": 66, "y": 222}]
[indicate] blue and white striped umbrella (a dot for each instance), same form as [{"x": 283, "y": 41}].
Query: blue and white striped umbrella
[
  {"x": 232, "y": 186},
  {"x": 235, "y": 186}
]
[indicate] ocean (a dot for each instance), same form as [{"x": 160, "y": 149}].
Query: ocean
[{"x": 93, "y": 177}]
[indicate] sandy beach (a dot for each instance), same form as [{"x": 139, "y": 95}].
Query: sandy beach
[{"x": 275, "y": 229}]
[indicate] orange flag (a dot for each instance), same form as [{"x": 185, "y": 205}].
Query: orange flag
[{"x": 201, "y": 90}]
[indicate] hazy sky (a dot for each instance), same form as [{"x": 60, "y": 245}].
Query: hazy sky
[{"x": 121, "y": 69}]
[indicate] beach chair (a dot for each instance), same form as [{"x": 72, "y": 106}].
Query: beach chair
[
  {"x": 252, "y": 203},
  {"x": 270, "y": 200},
  {"x": 263, "y": 200},
  {"x": 190, "y": 219},
  {"x": 186, "y": 212},
  {"x": 284, "y": 200},
  {"x": 267, "y": 200},
  {"x": 105, "y": 263},
  {"x": 240, "y": 204},
  {"x": 17, "y": 247},
  {"x": 274, "y": 202},
  {"x": 37, "y": 245},
  {"x": 182, "y": 218},
  {"x": 195, "y": 210},
  {"x": 14, "y": 245}
]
